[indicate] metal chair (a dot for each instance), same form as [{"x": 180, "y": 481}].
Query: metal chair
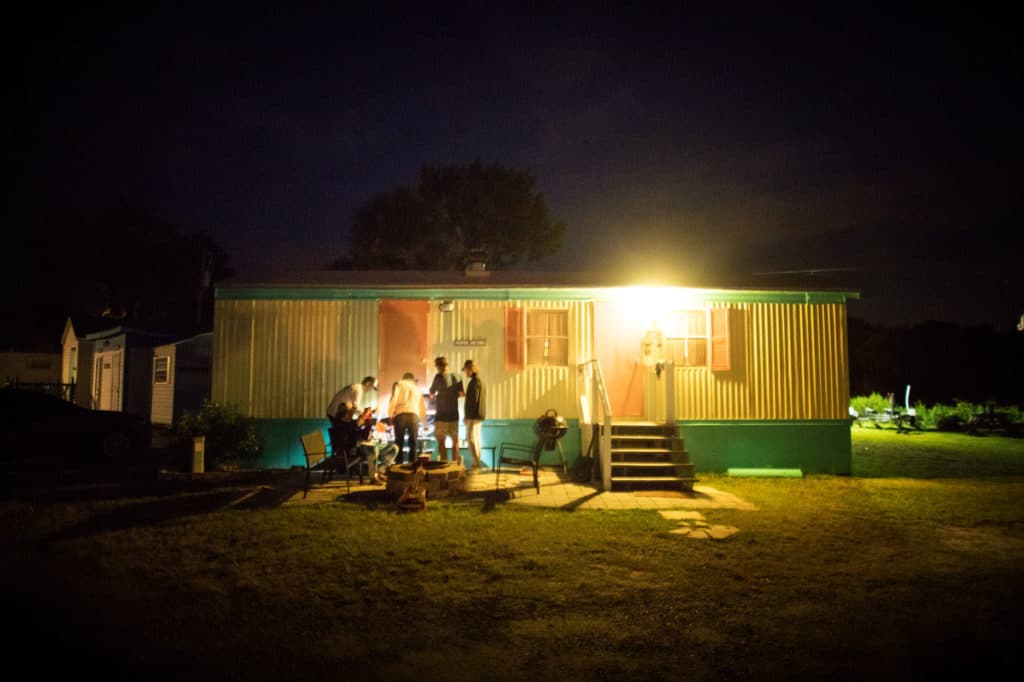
[
  {"x": 317, "y": 454},
  {"x": 550, "y": 428}
]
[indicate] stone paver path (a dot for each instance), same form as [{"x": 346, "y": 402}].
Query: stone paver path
[{"x": 693, "y": 525}]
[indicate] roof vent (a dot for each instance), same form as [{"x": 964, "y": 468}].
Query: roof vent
[{"x": 476, "y": 264}]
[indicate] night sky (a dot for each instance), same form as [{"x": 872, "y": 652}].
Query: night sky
[{"x": 879, "y": 151}]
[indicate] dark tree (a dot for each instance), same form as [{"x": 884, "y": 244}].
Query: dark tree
[
  {"x": 941, "y": 361},
  {"x": 453, "y": 211},
  {"x": 124, "y": 262}
]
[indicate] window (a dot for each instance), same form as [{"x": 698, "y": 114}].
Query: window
[
  {"x": 699, "y": 338},
  {"x": 547, "y": 338},
  {"x": 686, "y": 339},
  {"x": 162, "y": 370}
]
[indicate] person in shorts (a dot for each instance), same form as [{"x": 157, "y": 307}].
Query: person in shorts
[{"x": 445, "y": 392}]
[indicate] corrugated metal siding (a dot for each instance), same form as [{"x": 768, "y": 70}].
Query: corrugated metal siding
[
  {"x": 789, "y": 361},
  {"x": 515, "y": 394},
  {"x": 163, "y": 394},
  {"x": 286, "y": 359}
]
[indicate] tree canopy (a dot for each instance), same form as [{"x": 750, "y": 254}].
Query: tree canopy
[
  {"x": 454, "y": 211},
  {"x": 123, "y": 262}
]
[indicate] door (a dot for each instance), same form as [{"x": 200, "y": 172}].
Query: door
[
  {"x": 403, "y": 343},
  {"x": 107, "y": 389},
  {"x": 617, "y": 344}
]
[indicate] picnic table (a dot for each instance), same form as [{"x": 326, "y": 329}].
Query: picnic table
[{"x": 903, "y": 419}]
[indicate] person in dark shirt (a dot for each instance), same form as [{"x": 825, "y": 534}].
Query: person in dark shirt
[
  {"x": 445, "y": 391},
  {"x": 475, "y": 411}
]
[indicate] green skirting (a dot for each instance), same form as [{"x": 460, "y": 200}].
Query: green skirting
[{"x": 815, "y": 447}]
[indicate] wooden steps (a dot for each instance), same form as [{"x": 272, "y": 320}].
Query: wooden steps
[{"x": 649, "y": 456}]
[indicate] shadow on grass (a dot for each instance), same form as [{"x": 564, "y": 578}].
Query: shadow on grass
[
  {"x": 579, "y": 501},
  {"x": 370, "y": 499},
  {"x": 177, "y": 499},
  {"x": 78, "y": 487},
  {"x": 142, "y": 514}
]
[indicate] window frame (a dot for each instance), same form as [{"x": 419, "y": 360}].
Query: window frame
[
  {"x": 167, "y": 370},
  {"x": 717, "y": 340},
  {"x": 529, "y": 361},
  {"x": 684, "y": 340}
]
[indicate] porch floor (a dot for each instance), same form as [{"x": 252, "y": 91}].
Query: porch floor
[{"x": 556, "y": 491}]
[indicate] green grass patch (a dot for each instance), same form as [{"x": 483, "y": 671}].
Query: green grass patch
[
  {"x": 934, "y": 454},
  {"x": 912, "y": 568}
]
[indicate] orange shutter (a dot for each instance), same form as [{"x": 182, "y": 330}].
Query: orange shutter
[
  {"x": 720, "y": 349},
  {"x": 514, "y": 344}
]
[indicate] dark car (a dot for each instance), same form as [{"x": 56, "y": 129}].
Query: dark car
[{"x": 36, "y": 424}]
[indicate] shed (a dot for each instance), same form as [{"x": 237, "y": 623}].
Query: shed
[
  {"x": 181, "y": 377},
  {"x": 115, "y": 367},
  {"x": 75, "y": 354},
  {"x": 747, "y": 377}
]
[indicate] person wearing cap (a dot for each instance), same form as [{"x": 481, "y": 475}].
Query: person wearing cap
[
  {"x": 406, "y": 409},
  {"x": 445, "y": 391},
  {"x": 474, "y": 411}
]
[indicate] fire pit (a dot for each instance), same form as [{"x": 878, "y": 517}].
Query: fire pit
[{"x": 439, "y": 478}]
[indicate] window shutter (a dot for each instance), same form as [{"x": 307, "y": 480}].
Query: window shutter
[
  {"x": 514, "y": 345},
  {"x": 720, "y": 348}
]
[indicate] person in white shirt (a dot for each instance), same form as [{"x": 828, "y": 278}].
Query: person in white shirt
[
  {"x": 406, "y": 409},
  {"x": 348, "y": 402},
  {"x": 343, "y": 411}
]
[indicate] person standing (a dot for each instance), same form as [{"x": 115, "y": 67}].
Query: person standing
[
  {"x": 407, "y": 408},
  {"x": 475, "y": 411},
  {"x": 445, "y": 391}
]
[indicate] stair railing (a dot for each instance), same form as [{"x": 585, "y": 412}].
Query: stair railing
[{"x": 604, "y": 450}]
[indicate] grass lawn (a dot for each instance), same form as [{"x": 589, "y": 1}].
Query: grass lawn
[{"x": 910, "y": 569}]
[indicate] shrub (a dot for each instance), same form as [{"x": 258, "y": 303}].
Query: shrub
[
  {"x": 925, "y": 415},
  {"x": 231, "y": 438},
  {"x": 940, "y": 416},
  {"x": 875, "y": 401}
]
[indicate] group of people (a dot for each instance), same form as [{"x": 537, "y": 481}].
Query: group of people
[{"x": 351, "y": 412}]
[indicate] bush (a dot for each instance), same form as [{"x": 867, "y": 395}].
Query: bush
[
  {"x": 231, "y": 439},
  {"x": 942, "y": 417},
  {"x": 875, "y": 401}
]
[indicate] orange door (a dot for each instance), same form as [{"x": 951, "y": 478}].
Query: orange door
[
  {"x": 403, "y": 343},
  {"x": 618, "y": 350}
]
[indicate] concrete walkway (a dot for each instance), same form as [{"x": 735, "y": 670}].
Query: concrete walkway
[{"x": 555, "y": 492}]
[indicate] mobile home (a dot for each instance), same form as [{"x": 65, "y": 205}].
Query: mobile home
[{"x": 746, "y": 377}]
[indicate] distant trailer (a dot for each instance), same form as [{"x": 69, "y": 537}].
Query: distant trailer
[{"x": 181, "y": 377}]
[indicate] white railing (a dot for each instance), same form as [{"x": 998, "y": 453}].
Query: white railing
[{"x": 590, "y": 374}]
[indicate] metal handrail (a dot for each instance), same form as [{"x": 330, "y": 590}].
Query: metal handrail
[{"x": 605, "y": 441}]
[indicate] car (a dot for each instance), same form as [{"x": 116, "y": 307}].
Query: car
[{"x": 37, "y": 424}]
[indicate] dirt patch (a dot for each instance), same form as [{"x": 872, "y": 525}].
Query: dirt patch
[{"x": 980, "y": 540}]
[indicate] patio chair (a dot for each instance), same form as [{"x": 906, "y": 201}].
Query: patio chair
[
  {"x": 317, "y": 454},
  {"x": 533, "y": 461},
  {"x": 550, "y": 428},
  {"x": 344, "y": 437}
]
